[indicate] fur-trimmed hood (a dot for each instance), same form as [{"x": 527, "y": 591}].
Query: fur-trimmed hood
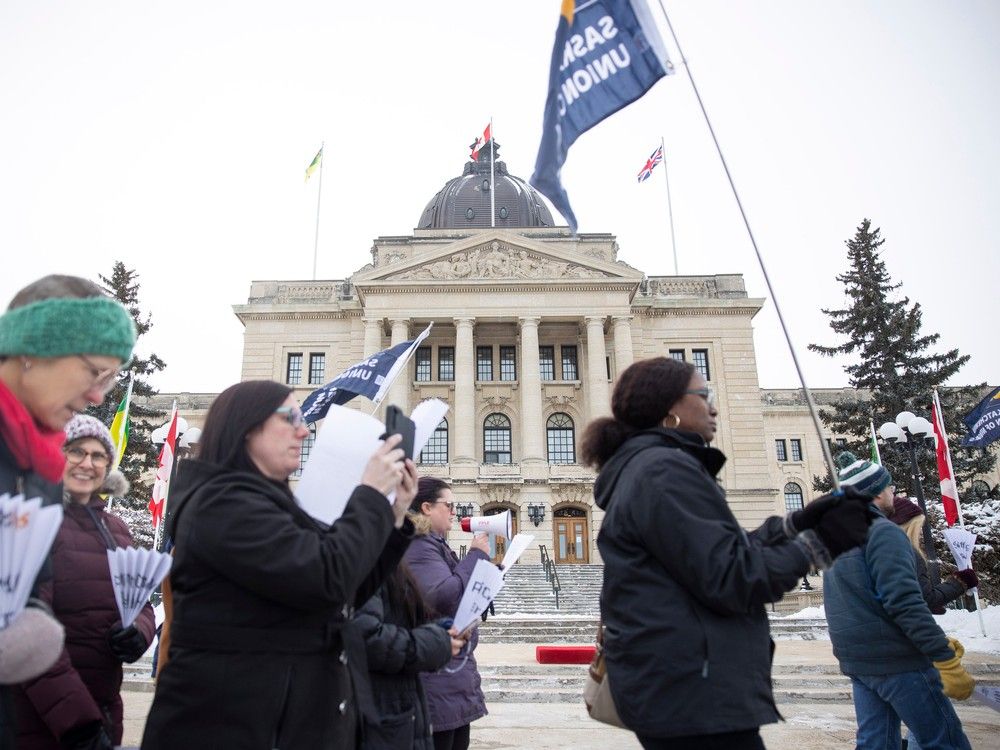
[{"x": 421, "y": 524}]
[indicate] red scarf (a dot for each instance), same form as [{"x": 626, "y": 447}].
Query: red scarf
[{"x": 34, "y": 448}]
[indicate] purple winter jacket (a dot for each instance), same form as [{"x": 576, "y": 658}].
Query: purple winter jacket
[{"x": 454, "y": 699}]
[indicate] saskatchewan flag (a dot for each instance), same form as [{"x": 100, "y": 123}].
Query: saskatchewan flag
[
  {"x": 314, "y": 164},
  {"x": 120, "y": 426}
]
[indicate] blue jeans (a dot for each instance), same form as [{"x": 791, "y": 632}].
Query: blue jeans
[{"x": 918, "y": 698}]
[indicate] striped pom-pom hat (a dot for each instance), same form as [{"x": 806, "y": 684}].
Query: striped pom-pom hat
[{"x": 866, "y": 477}]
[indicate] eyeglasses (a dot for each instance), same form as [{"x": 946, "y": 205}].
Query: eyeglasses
[
  {"x": 103, "y": 379},
  {"x": 98, "y": 459},
  {"x": 451, "y": 506},
  {"x": 293, "y": 414},
  {"x": 706, "y": 393}
]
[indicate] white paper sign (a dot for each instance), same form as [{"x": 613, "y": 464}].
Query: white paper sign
[
  {"x": 988, "y": 695},
  {"x": 343, "y": 447},
  {"x": 961, "y": 544},
  {"x": 516, "y": 547},
  {"x": 134, "y": 575},
  {"x": 27, "y": 531},
  {"x": 484, "y": 585}
]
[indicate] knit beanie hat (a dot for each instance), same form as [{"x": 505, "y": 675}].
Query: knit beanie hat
[
  {"x": 64, "y": 326},
  {"x": 866, "y": 477},
  {"x": 903, "y": 509},
  {"x": 86, "y": 426}
]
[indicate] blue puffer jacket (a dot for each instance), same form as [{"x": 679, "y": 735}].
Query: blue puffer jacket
[{"x": 879, "y": 621}]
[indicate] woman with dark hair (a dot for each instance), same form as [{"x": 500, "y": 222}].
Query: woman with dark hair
[
  {"x": 454, "y": 695},
  {"x": 62, "y": 341},
  {"x": 686, "y": 638},
  {"x": 261, "y": 591}
]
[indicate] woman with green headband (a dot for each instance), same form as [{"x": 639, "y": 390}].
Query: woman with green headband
[{"x": 62, "y": 342}]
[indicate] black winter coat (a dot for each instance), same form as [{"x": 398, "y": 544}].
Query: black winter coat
[
  {"x": 260, "y": 595},
  {"x": 396, "y": 654},
  {"x": 687, "y": 640},
  {"x": 936, "y": 597}
]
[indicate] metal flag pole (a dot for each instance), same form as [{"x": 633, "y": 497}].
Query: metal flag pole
[
  {"x": 319, "y": 198},
  {"x": 827, "y": 456},
  {"x": 670, "y": 210},
  {"x": 493, "y": 192}
]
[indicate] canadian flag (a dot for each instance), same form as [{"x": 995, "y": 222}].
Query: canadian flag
[
  {"x": 949, "y": 493},
  {"x": 161, "y": 486},
  {"x": 481, "y": 141}
]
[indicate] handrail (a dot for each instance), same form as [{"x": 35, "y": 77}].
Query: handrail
[
  {"x": 549, "y": 568},
  {"x": 462, "y": 552}
]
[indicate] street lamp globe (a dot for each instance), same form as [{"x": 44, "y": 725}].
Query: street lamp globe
[{"x": 904, "y": 418}]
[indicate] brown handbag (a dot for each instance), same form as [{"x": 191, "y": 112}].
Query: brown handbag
[{"x": 597, "y": 689}]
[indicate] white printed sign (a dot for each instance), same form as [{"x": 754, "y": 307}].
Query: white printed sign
[
  {"x": 134, "y": 575},
  {"x": 515, "y": 549},
  {"x": 484, "y": 585},
  {"x": 27, "y": 531},
  {"x": 961, "y": 544},
  {"x": 988, "y": 695}
]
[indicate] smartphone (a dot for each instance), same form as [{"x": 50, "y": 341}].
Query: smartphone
[{"x": 397, "y": 423}]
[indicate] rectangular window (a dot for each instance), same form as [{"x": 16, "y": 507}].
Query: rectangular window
[
  {"x": 446, "y": 363},
  {"x": 569, "y": 365},
  {"x": 796, "y": 449},
  {"x": 317, "y": 368},
  {"x": 547, "y": 362},
  {"x": 677, "y": 354},
  {"x": 436, "y": 449},
  {"x": 484, "y": 363},
  {"x": 293, "y": 375},
  {"x": 699, "y": 358},
  {"x": 841, "y": 442},
  {"x": 779, "y": 447},
  {"x": 423, "y": 360},
  {"x": 508, "y": 363}
]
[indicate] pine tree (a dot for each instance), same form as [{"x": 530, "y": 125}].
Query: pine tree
[
  {"x": 893, "y": 368},
  {"x": 142, "y": 455}
]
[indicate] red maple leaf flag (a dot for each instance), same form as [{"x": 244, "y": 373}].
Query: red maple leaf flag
[
  {"x": 949, "y": 493},
  {"x": 481, "y": 141},
  {"x": 161, "y": 486}
]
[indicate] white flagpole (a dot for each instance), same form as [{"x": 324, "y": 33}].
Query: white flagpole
[
  {"x": 878, "y": 453},
  {"x": 670, "y": 210},
  {"x": 400, "y": 364},
  {"x": 958, "y": 502},
  {"x": 493, "y": 192},
  {"x": 118, "y": 438},
  {"x": 158, "y": 536},
  {"x": 319, "y": 198}
]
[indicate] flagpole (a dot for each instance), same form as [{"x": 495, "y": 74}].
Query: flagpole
[
  {"x": 958, "y": 502},
  {"x": 158, "y": 536},
  {"x": 118, "y": 439},
  {"x": 409, "y": 355},
  {"x": 827, "y": 455},
  {"x": 878, "y": 454},
  {"x": 319, "y": 198},
  {"x": 670, "y": 210},
  {"x": 493, "y": 192}
]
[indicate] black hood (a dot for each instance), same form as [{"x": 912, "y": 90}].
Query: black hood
[{"x": 690, "y": 442}]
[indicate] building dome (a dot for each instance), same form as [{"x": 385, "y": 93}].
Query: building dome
[{"x": 464, "y": 202}]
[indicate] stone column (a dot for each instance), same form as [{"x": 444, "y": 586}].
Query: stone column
[
  {"x": 622, "y": 327},
  {"x": 597, "y": 371},
  {"x": 464, "y": 422},
  {"x": 373, "y": 336},
  {"x": 399, "y": 391},
  {"x": 532, "y": 429}
]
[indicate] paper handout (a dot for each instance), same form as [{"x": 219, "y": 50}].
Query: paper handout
[
  {"x": 344, "y": 444},
  {"x": 134, "y": 575},
  {"x": 483, "y": 587},
  {"x": 27, "y": 531},
  {"x": 961, "y": 544},
  {"x": 515, "y": 548},
  {"x": 989, "y": 695}
]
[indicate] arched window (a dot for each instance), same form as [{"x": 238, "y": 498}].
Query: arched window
[
  {"x": 496, "y": 440},
  {"x": 307, "y": 445},
  {"x": 560, "y": 436},
  {"x": 436, "y": 450},
  {"x": 793, "y": 497}
]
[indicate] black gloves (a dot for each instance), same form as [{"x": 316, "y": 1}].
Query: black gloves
[
  {"x": 809, "y": 517},
  {"x": 968, "y": 577},
  {"x": 127, "y": 644},
  {"x": 87, "y": 737},
  {"x": 844, "y": 526}
]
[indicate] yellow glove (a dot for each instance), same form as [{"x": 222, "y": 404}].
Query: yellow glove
[{"x": 958, "y": 684}]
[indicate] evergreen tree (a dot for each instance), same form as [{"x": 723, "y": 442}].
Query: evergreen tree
[{"x": 142, "y": 455}]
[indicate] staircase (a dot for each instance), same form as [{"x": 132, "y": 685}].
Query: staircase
[{"x": 526, "y": 592}]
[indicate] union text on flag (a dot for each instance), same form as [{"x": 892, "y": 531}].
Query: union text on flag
[{"x": 983, "y": 422}]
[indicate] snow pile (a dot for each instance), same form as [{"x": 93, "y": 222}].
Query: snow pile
[
  {"x": 809, "y": 613},
  {"x": 965, "y": 626}
]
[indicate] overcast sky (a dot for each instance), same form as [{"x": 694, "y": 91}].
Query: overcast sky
[{"x": 174, "y": 137}]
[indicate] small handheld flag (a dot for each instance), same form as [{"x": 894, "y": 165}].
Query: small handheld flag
[
  {"x": 655, "y": 158},
  {"x": 314, "y": 164},
  {"x": 120, "y": 426},
  {"x": 983, "y": 422},
  {"x": 161, "y": 485}
]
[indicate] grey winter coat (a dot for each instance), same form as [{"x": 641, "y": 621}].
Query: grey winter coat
[{"x": 687, "y": 641}]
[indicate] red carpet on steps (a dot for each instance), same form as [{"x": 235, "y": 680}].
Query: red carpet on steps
[{"x": 564, "y": 654}]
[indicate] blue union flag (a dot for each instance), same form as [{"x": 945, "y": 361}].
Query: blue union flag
[{"x": 607, "y": 54}]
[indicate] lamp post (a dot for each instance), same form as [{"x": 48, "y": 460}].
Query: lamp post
[
  {"x": 463, "y": 510},
  {"x": 536, "y": 512},
  {"x": 187, "y": 438},
  {"x": 908, "y": 433}
]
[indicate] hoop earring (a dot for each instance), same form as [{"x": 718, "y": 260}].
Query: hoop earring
[{"x": 677, "y": 423}]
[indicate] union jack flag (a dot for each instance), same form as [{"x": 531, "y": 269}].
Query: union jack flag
[{"x": 654, "y": 159}]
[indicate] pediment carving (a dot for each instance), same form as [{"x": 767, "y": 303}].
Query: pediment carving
[{"x": 500, "y": 261}]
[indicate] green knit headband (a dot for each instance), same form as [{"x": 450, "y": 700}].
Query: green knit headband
[{"x": 63, "y": 326}]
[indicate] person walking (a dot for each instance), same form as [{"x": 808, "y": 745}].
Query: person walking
[
  {"x": 77, "y": 703},
  {"x": 454, "y": 694},
  {"x": 261, "y": 591},
  {"x": 686, "y": 639},
  {"x": 901, "y": 664}
]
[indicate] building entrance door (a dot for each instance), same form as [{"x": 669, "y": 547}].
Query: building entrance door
[
  {"x": 572, "y": 543},
  {"x": 498, "y": 545}
]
